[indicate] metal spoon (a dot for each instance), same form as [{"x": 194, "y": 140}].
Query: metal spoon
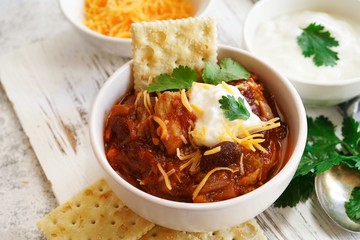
[{"x": 333, "y": 187}]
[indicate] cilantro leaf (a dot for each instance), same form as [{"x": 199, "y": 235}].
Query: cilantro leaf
[
  {"x": 181, "y": 78},
  {"x": 234, "y": 109},
  {"x": 299, "y": 190},
  {"x": 352, "y": 207},
  {"x": 323, "y": 150},
  {"x": 227, "y": 70},
  {"x": 351, "y": 133},
  {"x": 320, "y": 153},
  {"x": 315, "y": 41}
]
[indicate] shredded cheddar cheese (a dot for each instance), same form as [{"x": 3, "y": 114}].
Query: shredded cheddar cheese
[
  {"x": 227, "y": 88},
  {"x": 114, "y": 17},
  {"x": 204, "y": 180},
  {"x": 241, "y": 164},
  {"x": 147, "y": 102},
  {"x": 213, "y": 151},
  {"x": 198, "y": 110},
  {"x": 166, "y": 177},
  {"x": 250, "y": 137},
  {"x": 183, "y": 139},
  {"x": 185, "y": 101},
  {"x": 194, "y": 159},
  {"x": 164, "y": 133},
  {"x": 184, "y": 157}
]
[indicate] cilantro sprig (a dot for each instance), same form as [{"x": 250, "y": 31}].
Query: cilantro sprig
[
  {"x": 234, "y": 109},
  {"x": 323, "y": 150},
  {"x": 181, "y": 78},
  {"x": 316, "y": 42},
  {"x": 227, "y": 70}
]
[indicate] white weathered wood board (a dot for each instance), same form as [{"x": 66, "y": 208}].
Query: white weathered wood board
[{"x": 52, "y": 85}]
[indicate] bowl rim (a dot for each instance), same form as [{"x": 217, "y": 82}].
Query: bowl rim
[
  {"x": 283, "y": 174},
  {"x": 81, "y": 26},
  {"x": 248, "y": 45}
]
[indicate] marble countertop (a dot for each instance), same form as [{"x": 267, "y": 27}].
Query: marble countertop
[{"x": 25, "y": 193}]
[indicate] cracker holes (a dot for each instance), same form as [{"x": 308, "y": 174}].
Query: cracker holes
[
  {"x": 113, "y": 222},
  {"x": 100, "y": 189},
  {"x": 55, "y": 221},
  {"x": 158, "y": 37},
  {"x": 96, "y": 205},
  {"x": 93, "y": 221},
  {"x": 116, "y": 205}
]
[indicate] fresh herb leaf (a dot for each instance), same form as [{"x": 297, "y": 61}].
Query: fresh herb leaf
[
  {"x": 323, "y": 150},
  {"x": 320, "y": 153},
  {"x": 352, "y": 207},
  {"x": 299, "y": 190},
  {"x": 315, "y": 41},
  {"x": 351, "y": 132},
  {"x": 181, "y": 78},
  {"x": 227, "y": 70},
  {"x": 234, "y": 109}
]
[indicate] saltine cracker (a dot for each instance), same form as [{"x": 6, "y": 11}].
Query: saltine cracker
[
  {"x": 94, "y": 213},
  {"x": 159, "y": 47}
]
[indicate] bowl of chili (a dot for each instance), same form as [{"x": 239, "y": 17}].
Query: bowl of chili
[{"x": 235, "y": 190}]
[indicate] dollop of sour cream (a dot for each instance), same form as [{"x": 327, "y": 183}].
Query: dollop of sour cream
[
  {"x": 275, "y": 42},
  {"x": 211, "y": 125}
]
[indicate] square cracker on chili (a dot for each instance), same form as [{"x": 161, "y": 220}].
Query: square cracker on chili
[{"x": 159, "y": 47}]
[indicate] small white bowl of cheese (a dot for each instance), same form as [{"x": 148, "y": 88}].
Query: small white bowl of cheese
[
  {"x": 102, "y": 16},
  {"x": 271, "y": 32}
]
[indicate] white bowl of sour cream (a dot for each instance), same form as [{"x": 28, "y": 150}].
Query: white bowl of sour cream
[{"x": 271, "y": 30}]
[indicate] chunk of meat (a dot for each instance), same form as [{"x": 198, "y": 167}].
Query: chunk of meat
[{"x": 177, "y": 119}]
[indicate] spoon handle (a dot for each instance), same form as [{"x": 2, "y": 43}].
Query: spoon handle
[{"x": 351, "y": 108}]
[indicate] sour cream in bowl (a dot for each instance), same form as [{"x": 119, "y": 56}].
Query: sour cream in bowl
[{"x": 272, "y": 30}]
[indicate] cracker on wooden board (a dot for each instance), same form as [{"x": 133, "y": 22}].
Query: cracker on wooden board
[
  {"x": 97, "y": 214},
  {"x": 249, "y": 230},
  {"x": 93, "y": 214},
  {"x": 160, "y": 46}
]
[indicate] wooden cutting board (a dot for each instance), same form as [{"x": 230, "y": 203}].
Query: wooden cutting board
[{"x": 52, "y": 86}]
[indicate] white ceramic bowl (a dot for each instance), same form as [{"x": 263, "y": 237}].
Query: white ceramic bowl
[
  {"x": 73, "y": 11},
  {"x": 312, "y": 93},
  {"x": 204, "y": 216}
]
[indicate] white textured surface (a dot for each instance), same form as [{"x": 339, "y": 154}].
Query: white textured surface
[{"x": 24, "y": 190}]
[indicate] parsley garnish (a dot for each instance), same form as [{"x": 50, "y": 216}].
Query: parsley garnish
[
  {"x": 315, "y": 41},
  {"x": 234, "y": 109},
  {"x": 323, "y": 151},
  {"x": 181, "y": 78},
  {"x": 352, "y": 207},
  {"x": 227, "y": 70}
]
